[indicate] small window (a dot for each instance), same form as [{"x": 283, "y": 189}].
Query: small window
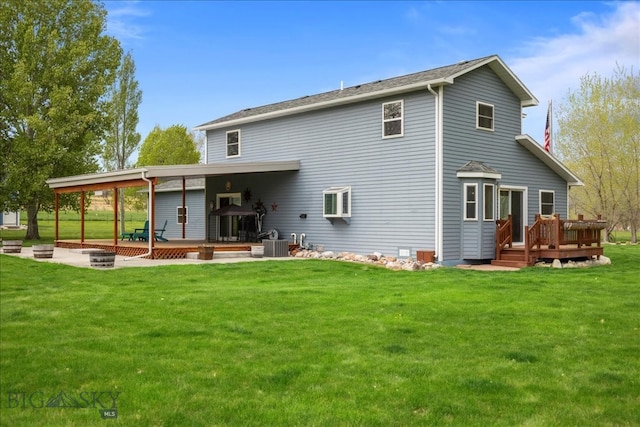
[
  {"x": 336, "y": 202},
  {"x": 489, "y": 199},
  {"x": 547, "y": 202},
  {"x": 233, "y": 143},
  {"x": 471, "y": 202},
  {"x": 183, "y": 215},
  {"x": 484, "y": 116},
  {"x": 392, "y": 119}
]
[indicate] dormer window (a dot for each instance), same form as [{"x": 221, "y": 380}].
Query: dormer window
[
  {"x": 392, "y": 119},
  {"x": 484, "y": 116}
]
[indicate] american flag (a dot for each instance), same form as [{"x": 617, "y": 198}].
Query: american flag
[{"x": 547, "y": 131}]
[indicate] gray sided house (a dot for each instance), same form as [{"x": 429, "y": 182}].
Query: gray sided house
[
  {"x": 426, "y": 161},
  {"x": 169, "y": 208}
]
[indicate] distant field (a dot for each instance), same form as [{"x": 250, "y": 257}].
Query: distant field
[{"x": 98, "y": 225}]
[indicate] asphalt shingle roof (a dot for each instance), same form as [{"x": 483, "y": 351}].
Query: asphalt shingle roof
[{"x": 353, "y": 91}]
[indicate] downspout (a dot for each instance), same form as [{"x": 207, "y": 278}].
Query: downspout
[
  {"x": 438, "y": 177},
  {"x": 149, "y": 215}
]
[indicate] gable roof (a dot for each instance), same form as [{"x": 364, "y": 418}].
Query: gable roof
[
  {"x": 380, "y": 88},
  {"x": 550, "y": 160}
]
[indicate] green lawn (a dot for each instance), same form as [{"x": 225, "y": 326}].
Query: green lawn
[{"x": 320, "y": 343}]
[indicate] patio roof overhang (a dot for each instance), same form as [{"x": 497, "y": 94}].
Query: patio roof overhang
[{"x": 136, "y": 177}]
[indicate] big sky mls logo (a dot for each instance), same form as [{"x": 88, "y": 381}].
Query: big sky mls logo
[{"x": 104, "y": 401}]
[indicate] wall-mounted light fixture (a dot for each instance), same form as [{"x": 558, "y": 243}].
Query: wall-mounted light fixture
[{"x": 303, "y": 216}]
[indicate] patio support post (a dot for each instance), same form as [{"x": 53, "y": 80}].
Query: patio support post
[
  {"x": 184, "y": 202},
  {"x": 81, "y": 217},
  {"x": 152, "y": 222},
  {"x": 56, "y": 197},
  {"x": 115, "y": 216}
]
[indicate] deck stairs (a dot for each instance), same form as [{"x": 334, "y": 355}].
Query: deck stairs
[{"x": 515, "y": 257}]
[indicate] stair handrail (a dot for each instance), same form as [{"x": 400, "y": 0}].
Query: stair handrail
[
  {"x": 503, "y": 235},
  {"x": 532, "y": 237}
]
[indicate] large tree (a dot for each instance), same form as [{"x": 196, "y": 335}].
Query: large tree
[
  {"x": 121, "y": 139},
  {"x": 55, "y": 66},
  {"x": 174, "y": 145},
  {"x": 599, "y": 138}
]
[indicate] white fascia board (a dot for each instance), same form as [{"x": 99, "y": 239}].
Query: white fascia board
[
  {"x": 96, "y": 178},
  {"x": 527, "y": 99},
  {"x": 551, "y": 161},
  {"x": 325, "y": 104},
  {"x": 211, "y": 169},
  {"x": 485, "y": 175},
  {"x": 174, "y": 171}
]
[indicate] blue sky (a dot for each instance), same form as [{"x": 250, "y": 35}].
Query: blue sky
[{"x": 200, "y": 60}]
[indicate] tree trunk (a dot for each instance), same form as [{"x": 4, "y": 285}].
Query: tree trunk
[
  {"x": 32, "y": 221},
  {"x": 634, "y": 234}
]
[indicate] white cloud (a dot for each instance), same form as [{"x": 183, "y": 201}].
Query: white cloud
[
  {"x": 551, "y": 67},
  {"x": 121, "y": 22}
]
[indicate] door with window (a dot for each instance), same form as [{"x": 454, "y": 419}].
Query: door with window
[
  {"x": 512, "y": 202},
  {"x": 228, "y": 225}
]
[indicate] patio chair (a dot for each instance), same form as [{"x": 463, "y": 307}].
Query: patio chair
[
  {"x": 141, "y": 233},
  {"x": 159, "y": 232}
]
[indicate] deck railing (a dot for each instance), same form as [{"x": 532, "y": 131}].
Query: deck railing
[
  {"x": 556, "y": 231},
  {"x": 551, "y": 232}
]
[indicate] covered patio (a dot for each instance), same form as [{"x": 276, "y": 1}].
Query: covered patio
[{"x": 150, "y": 176}]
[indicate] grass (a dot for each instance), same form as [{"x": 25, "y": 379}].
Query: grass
[{"x": 321, "y": 343}]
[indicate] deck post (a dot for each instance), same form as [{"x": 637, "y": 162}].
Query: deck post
[
  {"x": 557, "y": 230},
  {"x": 526, "y": 244},
  {"x": 580, "y": 233}
]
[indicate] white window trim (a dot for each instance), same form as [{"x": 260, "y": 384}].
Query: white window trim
[
  {"x": 401, "y": 101},
  {"x": 484, "y": 202},
  {"x": 186, "y": 214},
  {"x": 339, "y": 192},
  {"x": 226, "y": 143},
  {"x": 493, "y": 116},
  {"x": 465, "y": 201},
  {"x": 540, "y": 201}
]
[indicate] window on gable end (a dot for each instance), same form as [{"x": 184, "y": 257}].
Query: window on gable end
[
  {"x": 392, "y": 119},
  {"x": 233, "y": 143},
  {"x": 484, "y": 116}
]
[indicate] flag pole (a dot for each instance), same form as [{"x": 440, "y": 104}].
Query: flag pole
[{"x": 551, "y": 125}]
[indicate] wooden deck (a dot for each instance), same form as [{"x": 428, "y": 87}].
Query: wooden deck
[
  {"x": 174, "y": 249},
  {"x": 549, "y": 239}
]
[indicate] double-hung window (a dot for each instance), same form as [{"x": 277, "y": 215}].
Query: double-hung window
[
  {"x": 484, "y": 116},
  {"x": 392, "y": 119},
  {"x": 233, "y": 143},
  {"x": 471, "y": 202},
  {"x": 336, "y": 202},
  {"x": 488, "y": 199},
  {"x": 547, "y": 202},
  {"x": 182, "y": 215}
]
